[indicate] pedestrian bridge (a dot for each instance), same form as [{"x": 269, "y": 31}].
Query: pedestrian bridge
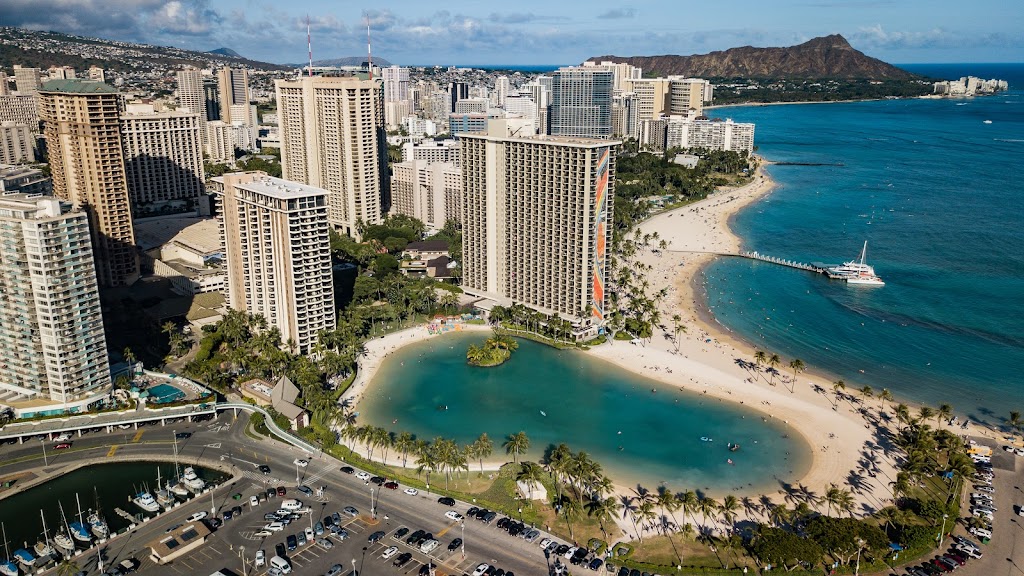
[{"x": 49, "y": 428}]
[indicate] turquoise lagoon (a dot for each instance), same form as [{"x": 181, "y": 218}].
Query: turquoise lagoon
[{"x": 642, "y": 432}]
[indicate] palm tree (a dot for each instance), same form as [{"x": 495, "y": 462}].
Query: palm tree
[
  {"x": 773, "y": 363},
  {"x": 68, "y": 567},
  {"x": 668, "y": 503},
  {"x": 831, "y": 497},
  {"x": 780, "y": 515},
  {"x": 1014, "y": 421},
  {"x": 603, "y": 510},
  {"x": 836, "y": 387},
  {"x": 708, "y": 507},
  {"x": 530, "y": 472},
  {"x": 483, "y": 447},
  {"x": 885, "y": 395},
  {"x": 405, "y": 443},
  {"x": 645, "y": 513},
  {"x": 867, "y": 391},
  {"x": 925, "y": 413},
  {"x": 797, "y": 365},
  {"x": 902, "y": 414},
  {"x": 688, "y": 503},
  {"x": 728, "y": 508},
  {"x": 517, "y": 444},
  {"x": 760, "y": 358},
  {"x": 901, "y": 485},
  {"x": 570, "y": 511},
  {"x": 129, "y": 357},
  {"x": 944, "y": 413}
]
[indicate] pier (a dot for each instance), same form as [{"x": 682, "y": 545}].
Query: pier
[{"x": 816, "y": 268}]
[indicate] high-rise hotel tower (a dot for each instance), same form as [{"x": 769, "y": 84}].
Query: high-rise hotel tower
[
  {"x": 82, "y": 125},
  {"x": 537, "y": 220},
  {"x": 52, "y": 345},
  {"x": 278, "y": 253},
  {"x": 332, "y": 137}
]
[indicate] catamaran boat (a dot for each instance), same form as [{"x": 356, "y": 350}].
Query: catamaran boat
[
  {"x": 192, "y": 480},
  {"x": 7, "y": 568},
  {"x": 856, "y": 271},
  {"x": 146, "y": 501}
]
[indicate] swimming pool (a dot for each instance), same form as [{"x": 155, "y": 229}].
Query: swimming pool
[{"x": 163, "y": 393}]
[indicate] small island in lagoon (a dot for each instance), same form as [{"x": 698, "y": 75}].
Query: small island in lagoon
[{"x": 496, "y": 350}]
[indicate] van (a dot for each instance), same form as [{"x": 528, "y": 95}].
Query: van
[
  {"x": 281, "y": 564},
  {"x": 291, "y": 504},
  {"x": 428, "y": 546}
]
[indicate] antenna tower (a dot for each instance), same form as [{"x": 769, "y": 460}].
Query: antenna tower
[
  {"x": 369, "y": 52},
  {"x": 309, "y": 43}
]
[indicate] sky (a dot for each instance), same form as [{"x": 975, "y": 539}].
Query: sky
[{"x": 526, "y": 32}]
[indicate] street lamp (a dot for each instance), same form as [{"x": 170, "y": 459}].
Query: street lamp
[
  {"x": 938, "y": 537},
  {"x": 42, "y": 442},
  {"x": 373, "y": 510},
  {"x": 296, "y": 472},
  {"x": 213, "y": 505},
  {"x": 353, "y": 566},
  {"x": 463, "y": 539},
  {"x": 241, "y": 555},
  {"x": 860, "y": 546}
]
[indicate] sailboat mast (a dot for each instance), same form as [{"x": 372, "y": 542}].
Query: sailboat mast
[
  {"x": 79, "y": 504},
  {"x": 7, "y": 551},
  {"x": 46, "y": 536},
  {"x": 863, "y": 251}
]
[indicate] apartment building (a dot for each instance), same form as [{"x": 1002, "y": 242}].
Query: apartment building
[
  {"x": 277, "y": 253},
  {"x": 431, "y": 192},
  {"x": 710, "y": 134},
  {"x": 432, "y": 151},
  {"x": 233, "y": 88},
  {"x": 332, "y": 137},
  {"x": 163, "y": 159},
  {"x": 82, "y": 127},
  {"x": 21, "y": 109},
  {"x": 27, "y": 80},
  {"x": 192, "y": 96},
  {"x": 537, "y": 221},
  {"x": 17, "y": 143},
  {"x": 52, "y": 345},
  {"x": 581, "y": 103}
]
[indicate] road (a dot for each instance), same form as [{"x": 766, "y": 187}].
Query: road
[{"x": 224, "y": 440}]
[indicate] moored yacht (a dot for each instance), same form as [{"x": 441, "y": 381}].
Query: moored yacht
[
  {"x": 856, "y": 271},
  {"x": 24, "y": 557},
  {"x": 7, "y": 568},
  {"x": 192, "y": 480},
  {"x": 98, "y": 525},
  {"x": 146, "y": 501}
]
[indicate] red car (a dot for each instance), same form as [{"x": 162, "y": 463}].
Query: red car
[
  {"x": 62, "y": 446},
  {"x": 281, "y": 491},
  {"x": 391, "y": 485}
]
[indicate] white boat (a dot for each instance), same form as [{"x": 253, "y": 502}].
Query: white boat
[
  {"x": 178, "y": 489},
  {"x": 163, "y": 496},
  {"x": 7, "y": 568},
  {"x": 97, "y": 524},
  {"x": 856, "y": 271},
  {"x": 192, "y": 480},
  {"x": 61, "y": 538},
  {"x": 79, "y": 530},
  {"x": 42, "y": 547},
  {"x": 146, "y": 501}
]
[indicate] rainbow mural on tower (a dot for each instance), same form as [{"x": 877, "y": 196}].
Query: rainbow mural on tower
[{"x": 600, "y": 234}]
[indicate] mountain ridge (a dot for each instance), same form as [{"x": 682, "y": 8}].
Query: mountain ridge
[{"x": 822, "y": 57}]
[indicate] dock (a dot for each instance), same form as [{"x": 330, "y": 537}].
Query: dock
[
  {"x": 816, "y": 268},
  {"x": 124, "y": 515}
]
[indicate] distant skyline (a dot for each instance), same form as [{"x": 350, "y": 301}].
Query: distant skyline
[{"x": 532, "y": 32}]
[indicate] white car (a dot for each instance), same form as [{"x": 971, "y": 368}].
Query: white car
[
  {"x": 261, "y": 558},
  {"x": 63, "y": 437},
  {"x": 981, "y": 532},
  {"x": 411, "y": 491},
  {"x": 301, "y": 462},
  {"x": 389, "y": 552},
  {"x": 544, "y": 543},
  {"x": 274, "y": 527},
  {"x": 197, "y": 516},
  {"x": 981, "y": 513},
  {"x": 309, "y": 535},
  {"x": 481, "y": 569},
  {"x": 453, "y": 515},
  {"x": 254, "y": 501},
  {"x": 362, "y": 475},
  {"x": 572, "y": 550},
  {"x": 980, "y": 496},
  {"x": 987, "y": 488},
  {"x": 970, "y": 551},
  {"x": 262, "y": 534}
]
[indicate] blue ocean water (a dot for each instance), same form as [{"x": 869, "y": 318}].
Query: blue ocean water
[
  {"x": 639, "y": 430},
  {"x": 938, "y": 194}
]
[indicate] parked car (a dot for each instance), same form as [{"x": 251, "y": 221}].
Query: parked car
[
  {"x": 389, "y": 552},
  {"x": 351, "y": 511},
  {"x": 481, "y": 569},
  {"x": 261, "y": 558},
  {"x": 281, "y": 491},
  {"x": 402, "y": 559},
  {"x": 348, "y": 470},
  {"x": 453, "y": 515},
  {"x": 446, "y": 501},
  {"x": 324, "y": 543},
  {"x": 183, "y": 435},
  {"x": 62, "y": 446},
  {"x": 197, "y": 516},
  {"x": 305, "y": 490},
  {"x": 454, "y": 545},
  {"x": 293, "y": 543},
  {"x": 391, "y": 485},
  {"x": 375, "y": 536}
]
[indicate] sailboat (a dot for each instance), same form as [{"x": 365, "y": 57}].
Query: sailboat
[
  {"x": 179, "y": 488},
  {"x": 24, "y": 557},
  {"x": 78, "y": 529},
  {"x": 163, "y": 496},
  {"x": 7, "y": 568},
  {"x": 42, "y": 547},
  {"x": 96, "y": 522},
  {"x": 61, "y": 539}
]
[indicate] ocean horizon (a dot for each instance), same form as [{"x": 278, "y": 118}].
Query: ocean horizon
[{"x": 931, "y": 185}]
